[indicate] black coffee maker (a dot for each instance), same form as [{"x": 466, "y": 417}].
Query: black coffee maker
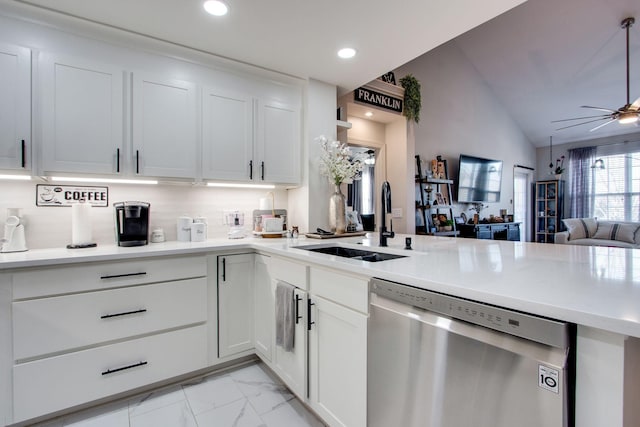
[{"x": 132, "y": 223}]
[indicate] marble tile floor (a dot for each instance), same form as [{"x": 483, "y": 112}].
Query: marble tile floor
[{"x": 247, "y": 396}]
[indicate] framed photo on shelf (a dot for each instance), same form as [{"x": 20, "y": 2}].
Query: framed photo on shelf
[
  {"x": 440, "y": 199},
  {"x": 458, "y": 220}
]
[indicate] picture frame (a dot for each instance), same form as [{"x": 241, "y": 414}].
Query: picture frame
[
  {"x": 509, "y": 218},
  {"x": 440, "y": 200},
  {"x": 458, "y": 220}
]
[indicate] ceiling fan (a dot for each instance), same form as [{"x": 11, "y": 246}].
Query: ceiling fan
[{"x": 630, "y": 113}]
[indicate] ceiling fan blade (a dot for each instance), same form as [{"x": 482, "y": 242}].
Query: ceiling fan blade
[
  {"x": 635, "y": 106},
  {"x": 598, "y": 108},
  {"x": 602, "y": 125},
  {"x": 580, "y": 118},
  {"x": 584, "y": 123}
]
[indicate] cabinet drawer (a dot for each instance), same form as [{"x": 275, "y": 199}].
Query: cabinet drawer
[
  {"x": 39, "y": 282},
  {"x": 50, "y": 325},
  {"x": 346, "y": 290},
  {"x": 56, "y": 383},
  {"x": 288, "y": 271}
]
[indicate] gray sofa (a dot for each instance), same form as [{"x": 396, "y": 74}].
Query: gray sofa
[{"x": 591, "y": 232}]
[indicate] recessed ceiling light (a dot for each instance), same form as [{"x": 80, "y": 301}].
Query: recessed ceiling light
[
  {"x": 368, "y": 114},
  {"x": 347, "y": 52},
  {"x": 216, "y": 7}
]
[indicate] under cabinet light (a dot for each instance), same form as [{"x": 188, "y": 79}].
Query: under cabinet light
[
  {"x": 16, "y": 177},
  {"x": 230, "y": 185},
  {"x": 104, "y": 180}
]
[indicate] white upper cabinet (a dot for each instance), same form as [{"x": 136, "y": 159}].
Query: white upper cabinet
[
  {"x": 82, "y": 115},
  {"x": 164, "y": 127},
  {"x": 246, "y": 138},
  {"x": 227, "y": 136},
  {"x": 278, "y": 143},
  {"x": 15, "y": 107}
]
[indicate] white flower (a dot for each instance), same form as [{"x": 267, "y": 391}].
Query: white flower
[{"x": 337, "y": 162}]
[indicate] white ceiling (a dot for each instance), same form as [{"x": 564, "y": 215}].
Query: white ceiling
[
  {"x": 297, "y": 37},
  {"x": 546, "y": 58}
]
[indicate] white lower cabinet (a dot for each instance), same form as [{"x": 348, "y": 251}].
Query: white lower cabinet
[
  {"x": 80, "y": 320},
  {"x": 338, "y": 363},
  {"x": 235, "y": 304},
  {"x": 338, "y": 347},
  {"x": 89, "y": 331},
  {"x": 291, "y": 366},
  {"x": 56, "y": 383},
  {"x": 264, "y": 313}
]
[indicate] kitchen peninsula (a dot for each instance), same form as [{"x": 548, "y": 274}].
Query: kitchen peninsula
[{"x": 592, "y": 287}]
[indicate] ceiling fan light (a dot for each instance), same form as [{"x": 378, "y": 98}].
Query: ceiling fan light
[{"x": 628, "y": 117}]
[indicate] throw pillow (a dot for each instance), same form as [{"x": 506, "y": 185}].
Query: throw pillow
[
  {"x": 580, "y": 228},
  {"x": 616, "y": 231}
]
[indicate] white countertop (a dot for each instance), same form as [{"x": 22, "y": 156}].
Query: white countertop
[{"x": 591, "y": 286}]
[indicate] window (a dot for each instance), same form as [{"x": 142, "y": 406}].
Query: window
[{"x": 617, "y": 188}]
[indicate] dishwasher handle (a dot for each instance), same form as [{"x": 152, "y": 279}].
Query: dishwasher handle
[{"x": 530, "y": 349}]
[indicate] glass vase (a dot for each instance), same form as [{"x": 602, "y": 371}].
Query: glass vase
[{"x": 337, "y": 211}]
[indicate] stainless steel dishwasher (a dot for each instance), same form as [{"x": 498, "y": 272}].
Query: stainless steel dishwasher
[{"x": 440, "y": 361}]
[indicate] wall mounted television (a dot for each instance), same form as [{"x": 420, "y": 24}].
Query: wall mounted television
[{"x": 479, "y": 180}]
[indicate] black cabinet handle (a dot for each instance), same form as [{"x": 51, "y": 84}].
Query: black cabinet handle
[
  {"x": 309, "y": 322},
  {"x": 125, "y": 313},
  {"x": 23, "y": 154},
  {"x": 135, "y": 365},
  {"x": 250, "y": 169},
  {"x": 137, "y": 161},
  {"x": 117, "y": 160},
  {"x": 115, "y": 276},
  {"x": 224, "y": 269},
  {"x": 262, "y": 171},
  {"x": 298, "y": 317}
]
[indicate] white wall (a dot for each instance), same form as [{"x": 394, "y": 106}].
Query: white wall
[
  {"x": 309, "y": 204},
  {"x": 50, "y": 227},
  {"x": 460, "y": 115}
]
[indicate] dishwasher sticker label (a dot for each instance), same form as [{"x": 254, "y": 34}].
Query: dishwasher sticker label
[{"x": 548, "y": 378}]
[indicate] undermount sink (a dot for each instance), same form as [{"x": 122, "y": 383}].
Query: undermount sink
[{"x": 360, "y": 254}]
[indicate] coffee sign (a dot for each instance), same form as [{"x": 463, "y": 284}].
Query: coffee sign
[
  {"x": 378, "y": 99},
  {"x": 67, "y": 195}
]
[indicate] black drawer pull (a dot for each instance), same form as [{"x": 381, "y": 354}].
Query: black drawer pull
[
  {"x": 309, "y": 322},
  {"x": 126, "y": 313},
  {"x": 115, "y": 276},
  {"x": 298, "y": 317},
  {"x": 23, "y": 154},
  {"x": 135, "y": 365}
]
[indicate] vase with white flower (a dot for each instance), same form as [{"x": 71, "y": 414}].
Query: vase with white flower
[{"x": 339, "y": 165}]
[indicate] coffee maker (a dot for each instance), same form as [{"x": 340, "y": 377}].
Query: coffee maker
[{"x": 132, "y": 223}]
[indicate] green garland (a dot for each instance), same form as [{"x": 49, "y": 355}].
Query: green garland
[{"x": 412, "y": 97}]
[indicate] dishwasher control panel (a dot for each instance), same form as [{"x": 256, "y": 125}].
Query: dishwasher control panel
[{"x": 539, "y": 329}]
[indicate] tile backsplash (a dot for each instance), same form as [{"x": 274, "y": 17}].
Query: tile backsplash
[{"x": 50, "y": 227}]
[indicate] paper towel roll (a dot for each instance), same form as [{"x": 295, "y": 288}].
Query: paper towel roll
[
  {"x": 81, "y": 224},
  {"x": 265, "y": 204}
]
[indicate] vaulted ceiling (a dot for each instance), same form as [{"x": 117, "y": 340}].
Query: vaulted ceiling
[{"x": 546, "y": 58}]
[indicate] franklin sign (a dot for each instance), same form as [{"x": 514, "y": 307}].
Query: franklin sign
[{"x": 378, "y": 99}]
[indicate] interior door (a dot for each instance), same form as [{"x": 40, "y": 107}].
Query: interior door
[{"x": 522, "y": 201}]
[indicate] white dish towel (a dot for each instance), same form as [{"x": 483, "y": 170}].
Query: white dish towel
[{"x": 285, "y": 316}]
